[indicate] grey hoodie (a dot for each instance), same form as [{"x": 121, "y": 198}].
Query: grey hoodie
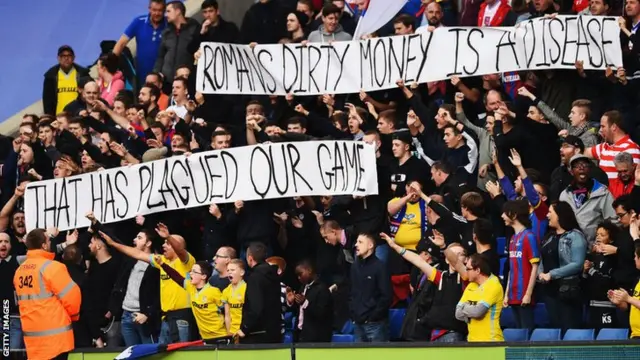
[
  {"x": 596, "y": 209},
  {"x": 321, "y": 36}
]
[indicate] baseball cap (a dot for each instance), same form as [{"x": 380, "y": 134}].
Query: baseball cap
[
  {"x": 64, "y": 48},
  {"x": 404, "y": 136},
  {"x": 574, "y": 141},
  {"x": 578, "y": 157}
]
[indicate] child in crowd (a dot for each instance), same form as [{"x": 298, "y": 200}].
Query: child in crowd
[
  {"x": 598, "y": 276},
  {"x": 233, "y": 296}
]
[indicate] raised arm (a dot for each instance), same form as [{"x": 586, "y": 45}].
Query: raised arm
[
  {"x": 126, "y": 250},
  {"x": 176, "y": 242},
  {"x": 410, "y": 256}
]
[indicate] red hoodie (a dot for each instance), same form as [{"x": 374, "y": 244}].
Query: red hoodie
[{"x": 498, "y": 18}]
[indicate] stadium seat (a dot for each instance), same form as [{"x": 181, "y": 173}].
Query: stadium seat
[
  {"x": 503, "y": 261},
  {"x": 540, "y": 316},
  {"x": 288, "y": 337},
  {"x": 347, "y": 328},
  {"x": 507, "y": 319},
  {"x": 613, "y": 334},
  {"x": 396, "y": 317},
  {"x": 579, "y": 335},
  {"x": 343, "y": 338},
  {"x": 501, "y": 246},
  {"x": 516, "y": 334},
  {"x": 545, "y": 335}
]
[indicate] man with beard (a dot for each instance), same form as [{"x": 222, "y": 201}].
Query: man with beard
[
  {"x": 101, "y": 278},
  {"x": 148, "y": 98},
  {"x": 616, "y": 141},
  {"x": 431, "y": 19}
]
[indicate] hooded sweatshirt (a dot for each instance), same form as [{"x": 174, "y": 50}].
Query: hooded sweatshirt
[
  {"x": 322, "y": 36},
  {"x": 591, "y": 207},
  {"x": 108, "y": 91}
]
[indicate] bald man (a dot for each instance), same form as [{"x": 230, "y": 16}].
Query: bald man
[
  {"x": 431, "y": 19},
  {"x": 221, "y": 259},
  {"x": 89, "y": 94}
]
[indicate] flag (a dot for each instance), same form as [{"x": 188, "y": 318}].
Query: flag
[
  {"x": 142, "y": 350},
  {"x": 378, "y": 14}
]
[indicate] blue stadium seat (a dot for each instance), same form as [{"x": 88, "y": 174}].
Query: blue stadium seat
[
  {"x": 613, "y": 334},
  {"x": 507, "y": 319},
  {"x": 540, "y": 315},
  {"x": 516, "y": 334},
  {"x": 347, "y": 328},
  {"x": 579, "y": 335},
  {"x": 343, "y": 338},
  {"x": 288, "y": 337},
  {"x": 545, "y": 335},
  {"x": 396, "y": 317},
  {"x": 503, "y": 261},
  {"x": 501, "y": 246}
]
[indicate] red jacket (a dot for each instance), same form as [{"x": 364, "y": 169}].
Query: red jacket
[{"x": 498, "y": 18}]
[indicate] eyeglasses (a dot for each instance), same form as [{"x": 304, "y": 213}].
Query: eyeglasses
[
  {"x": 216, "y": 256},
  {"x": 620, "y": 215},
  {"x": 195, "y": 272}
]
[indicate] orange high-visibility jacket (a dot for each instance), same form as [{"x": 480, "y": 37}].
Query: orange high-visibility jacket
[{"x": 48, "y": 301}]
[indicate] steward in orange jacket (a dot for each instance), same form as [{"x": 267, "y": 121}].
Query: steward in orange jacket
[{"x": 48, "y": 301}]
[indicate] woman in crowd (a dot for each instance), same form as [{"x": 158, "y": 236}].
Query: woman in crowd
[
  {"x": 563, "y": 253},
  {"x": 233, "y": 296},
  {"x": 109, "y": 78},
  {"x": 206, "y": 300}
]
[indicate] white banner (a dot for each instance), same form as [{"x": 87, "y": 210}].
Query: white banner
[
  {"x": 277, "y": 170},
  {"x": 379, "y": 13},
  {"x": 348, "y": 67}
]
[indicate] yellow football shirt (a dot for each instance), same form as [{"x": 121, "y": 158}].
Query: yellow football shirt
[
  {"x": 410, "y": 232},
  {"x": 206, "y": 305},
  {"x": 235, "y": 299},
  {"x": 67, "y": 89},
  {"x": 489, "y": 294},
  {"x": 634, "y": 314},
  {"x": 173, "y": 296}
]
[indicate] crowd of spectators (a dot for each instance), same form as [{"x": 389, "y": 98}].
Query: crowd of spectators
[{"x": 546, "y": 159}]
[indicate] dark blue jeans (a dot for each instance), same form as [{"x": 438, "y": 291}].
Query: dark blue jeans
[
  {"x": 133, "y": 333},
  {"x": 371, "y": 331}
]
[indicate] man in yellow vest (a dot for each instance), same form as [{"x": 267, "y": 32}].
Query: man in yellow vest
[
  {"x": 61, "y": 82},
  {"x": 48, "y": 300}
]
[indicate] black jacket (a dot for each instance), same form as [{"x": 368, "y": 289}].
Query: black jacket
[
  {"x": 261, "y": 311},
  {"x": 50, "y": 87},
  {"x": 264, "y": 23},
  {"x": 317, "y": 325},
  {"x": 149, "y": 294},
  {"x": 175, "y": 48},
  {"x": 371, "y": 292}
]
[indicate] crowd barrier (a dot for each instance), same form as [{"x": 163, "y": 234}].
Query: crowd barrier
[{"x": 566, "y": 350}]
